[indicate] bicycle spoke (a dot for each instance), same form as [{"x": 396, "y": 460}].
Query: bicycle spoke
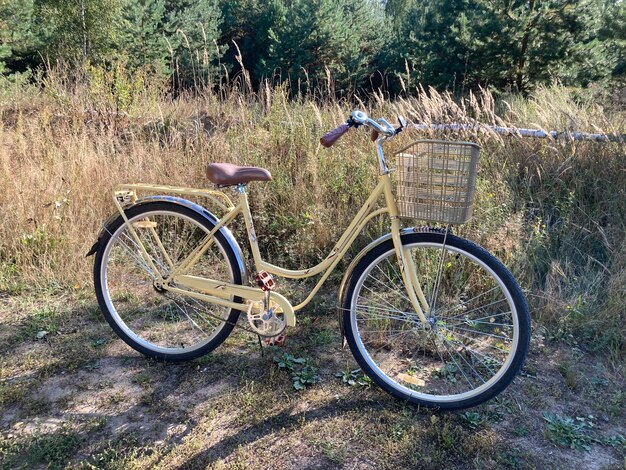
[
  {"x": 455, "y": 328},
  {"x": 474, "y": 341},
  {"x": 184, "y": 310},
  {"x": 475, "y": 309},
  {"x": 383, "y": 309},
  {"x": 457, "y": 366},
  {"x": 375, "y": 294},
  {"x": 470, "y": 321},
  {"x": 476, "y": 353},
  {"x": 466, "y": 302},
  {"x": 451, "y": 342},
  {"x": 379, "y": 316},
  {"x": 395, "y": 287},
  {"x": 508, "y": 312},
  {"x": 139, "y": 261}
]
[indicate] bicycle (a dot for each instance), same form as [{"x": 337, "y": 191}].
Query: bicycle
[{"x": 430, "y": 317}]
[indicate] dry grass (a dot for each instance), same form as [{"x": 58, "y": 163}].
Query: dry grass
[{"x": 553, "y": 211}]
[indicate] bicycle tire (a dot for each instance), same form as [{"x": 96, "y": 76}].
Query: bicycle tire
[
  {"x": 155, "y": 322},
  {"x": 463, "y": 339}
]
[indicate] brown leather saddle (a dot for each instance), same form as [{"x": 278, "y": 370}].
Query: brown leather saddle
[{"x": 226, "y": 174}]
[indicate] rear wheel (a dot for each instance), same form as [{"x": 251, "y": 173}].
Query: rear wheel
[
  {"x": 154, "y": 321},
  {"x": 478, "y": 327}
]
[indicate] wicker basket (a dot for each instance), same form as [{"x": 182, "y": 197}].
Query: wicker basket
[{"x": 437, "y": 180}]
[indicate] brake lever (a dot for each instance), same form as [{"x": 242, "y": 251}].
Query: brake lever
[{"x": 402, "y": 123}]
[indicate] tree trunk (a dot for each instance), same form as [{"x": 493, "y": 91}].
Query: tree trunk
[
  {"x": 84, "y": 25},
  {"x": 521, "y": 63}
]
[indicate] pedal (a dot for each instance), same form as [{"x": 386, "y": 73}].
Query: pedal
[
  {"x": 264, "y": 280},
  {"x": 267, "y": 319},
  {"x": 278, "y": 340}
]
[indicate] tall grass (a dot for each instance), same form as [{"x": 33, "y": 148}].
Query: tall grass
[{"x": 553, "y": 211}]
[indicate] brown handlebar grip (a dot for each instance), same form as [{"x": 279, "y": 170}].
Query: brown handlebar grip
[
  {"x": 329, "y": 139},
  {"x": 374, "y": 135}
]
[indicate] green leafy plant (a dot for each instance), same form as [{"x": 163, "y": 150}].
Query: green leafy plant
[
  {"x": 615, "y": 441},
  {"x": 446, "y": 372},
  {"x": 303, "y": 373},
  {"x": 568, "y": 432},
  {"x": 472, "y": 419},
  {"x": 354, "y": 378}
]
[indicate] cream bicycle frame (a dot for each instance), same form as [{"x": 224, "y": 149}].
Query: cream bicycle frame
[{"x": 222, "y": 293}]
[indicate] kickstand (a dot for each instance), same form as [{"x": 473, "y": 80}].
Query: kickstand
[{"x": 261, "y": 345}]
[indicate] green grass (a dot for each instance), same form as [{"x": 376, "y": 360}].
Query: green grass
[{"x": 52, "y": 450}]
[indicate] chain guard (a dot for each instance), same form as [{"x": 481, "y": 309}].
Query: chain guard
[{"x": 237, "y": 324}]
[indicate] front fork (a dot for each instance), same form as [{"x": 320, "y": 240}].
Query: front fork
[
  {"x": 409, "y": 274},
  {"x": 406, "y": 262}
]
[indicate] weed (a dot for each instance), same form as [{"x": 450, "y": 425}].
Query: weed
[
  {"x": 11, "y": 281},
  {"x": 354, "y": 377},
  {"x": 42, "y": 322},
  {"x": 568, "y": 432},
  {"x": 118, "y": 454},
  {"x": 571, "y": 375},
  {"x": 54, "y": 450},
  {"x": 303, "y": 373},
  {"x": 615, "y": 441},
  {"x": 446, "y": 372},
  {"x": 143, "y": 378},
  {"x": 617, "y": 403},
  {"x": 10, "y": 393},
  {"x": 99, "y": 342},
  {"x": 117, "y": 397},
  {"x": 599, "y": 381},
  {"x": 325, "y": 336},
  {"x": 472, "y": 419},
  {"x": 334, "y": 452},
  {"x": 521, "y": 430}
]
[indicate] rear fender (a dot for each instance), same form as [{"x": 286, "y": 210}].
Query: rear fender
[{"x": 230, "y": 239}]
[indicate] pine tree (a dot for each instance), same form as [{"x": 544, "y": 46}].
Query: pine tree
[
  {"x": 193, "y": 29},
  {"x": 143, "y": 36},
  {"x": 501, "y": 43},
  {"x": 19, "y": 42},
  {"x": 322, "y": 37},
  {"x": 249, "y": 24},
  {"x": 613, "y": 37}
]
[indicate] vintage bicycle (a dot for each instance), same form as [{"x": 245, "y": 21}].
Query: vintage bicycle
[{"x": 430, "y": 317}]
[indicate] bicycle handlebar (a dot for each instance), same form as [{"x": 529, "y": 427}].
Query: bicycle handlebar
[
  {"x": 329, "y": 139},
  {"x": 358, "y": 118}
]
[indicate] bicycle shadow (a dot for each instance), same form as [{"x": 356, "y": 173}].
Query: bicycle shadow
[{"x": 272, "y": 424}]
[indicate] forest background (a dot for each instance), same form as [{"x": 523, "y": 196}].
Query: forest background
[{"x": 364, "y": 45}]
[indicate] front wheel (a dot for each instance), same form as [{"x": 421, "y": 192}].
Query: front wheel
[{"x": 478, "y": 328}]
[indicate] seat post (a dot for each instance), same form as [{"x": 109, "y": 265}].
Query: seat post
[{"x": 247, "y": 217}]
